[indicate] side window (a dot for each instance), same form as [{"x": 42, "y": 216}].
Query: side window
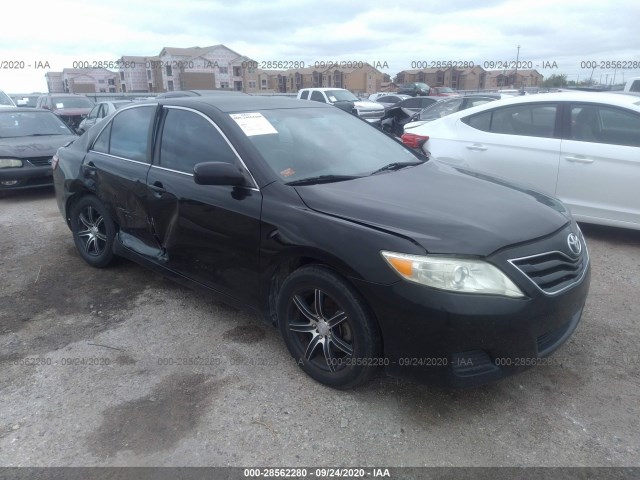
[
  {"x": 635, "y": 86},
  {"x": 129, "y": 133},
  {"x": 527, "y": 120},
  {"x": 412, "y": 103},
  {"x": 304, "y": 95},
  {"x": 590, "y": 123},
  {"x": 477, "y": 101},
  {"x": 188, "y": 139},
  {"x": 94, "y": 112},
  {"x": 102, "y": 142},
  {"x": 317, "y": 96},
  {"x": 481, "y": 121}
]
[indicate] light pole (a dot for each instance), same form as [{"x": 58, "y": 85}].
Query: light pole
[{"x": 515, "y": 76}]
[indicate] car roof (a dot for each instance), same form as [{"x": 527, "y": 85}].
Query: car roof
[
  {"x": 25, "y": 109},
  {"x": 243, "y": 103},
  {"x": 322, "y": 89},
  {"x": 582, "y": 97}
]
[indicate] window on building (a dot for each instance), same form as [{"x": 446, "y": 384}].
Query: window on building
[
  {"x": 170, "y": 85},
  {"x": 122, "y": 76},
  {"x": 148, "y": 74},
  {"x": 101, "y": 80},
  {"x": 224, "y": 70},
  {"x": 237, "y": 71},
  {"x": 224, "y": 84},
  {"x": 169, "y": 71},
  {"x": 189, "y": 139}
]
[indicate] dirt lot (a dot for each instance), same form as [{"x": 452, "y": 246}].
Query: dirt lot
[{"x": 135, "y": 401}]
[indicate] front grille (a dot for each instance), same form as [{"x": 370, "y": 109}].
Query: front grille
[
  {"x": 553, "y": 272},
  {"x": 39, "y": 161},
  {"x": 372, "y": 113}
]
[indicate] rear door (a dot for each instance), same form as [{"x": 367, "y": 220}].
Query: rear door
[
  {"x": 207, "y": 233},
  {"x": 517, "y": 142},
  {"x": 117, "y": 166},
  {"x": 599, "y": 175}
]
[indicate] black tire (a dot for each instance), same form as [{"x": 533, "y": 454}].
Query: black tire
[
  {"x": 93, "y": 231},
  {"x": 337, "y": 344}
]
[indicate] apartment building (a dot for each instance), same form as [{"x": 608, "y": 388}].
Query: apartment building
[
  {"x": 83, "y": 80},
  {"x": 365, "y": 79},
  {"x": 213, "y": 67},
  {"x": 140, "y": 74},
  {"x": 475, "y": 78}
]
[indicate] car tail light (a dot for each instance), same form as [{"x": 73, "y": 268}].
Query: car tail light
[
  {"x": 413, "y": 140},
  {"x": 54, "y": 161}
]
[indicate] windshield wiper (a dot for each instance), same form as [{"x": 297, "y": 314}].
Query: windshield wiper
[
  {"x": 322, "y": 179},
  {"x": 396, "y": 166}
]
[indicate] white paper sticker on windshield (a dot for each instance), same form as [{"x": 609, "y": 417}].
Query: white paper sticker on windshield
[
  {"x": 332, "y": 98},
  {"x": 253, "y": 123},
  {"x": 59, "y": 105}
]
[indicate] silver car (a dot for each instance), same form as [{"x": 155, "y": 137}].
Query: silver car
[{"x": 100, "y": 111}]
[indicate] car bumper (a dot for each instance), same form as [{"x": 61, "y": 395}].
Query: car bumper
[
  {"x": 462, "y": 340},
  {"x": 25, "y": 177}
]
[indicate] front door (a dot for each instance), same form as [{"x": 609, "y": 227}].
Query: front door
[{"x": 208, "y": 233}]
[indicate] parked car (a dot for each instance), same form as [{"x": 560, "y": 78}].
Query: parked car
[
  {"x": 415, "y": 89},
  {"x": 445, "y": 107},
  {"x": 197, "y": 93},
  {"x": 99, "y": 112},
  {"x": 364, "y": 254},
  {"x": 372, "y": 112},
  {"x": 632, "y": 85},
  {"x": 71, "y": 108},
  {"x": 403, "y": 112},
  {"x": 28, "y": 140},
  {"x": 5, "y": 100},
  {"x": 375, "y": 96},
  {"x": 443, "y": 92},
  {"x": 388, "y": 101},
  {"x": 582, "y": 147},
  {"x": 26, "y": 100}
]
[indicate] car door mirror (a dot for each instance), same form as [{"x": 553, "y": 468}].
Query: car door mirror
[{"x": 218, "y": 173}]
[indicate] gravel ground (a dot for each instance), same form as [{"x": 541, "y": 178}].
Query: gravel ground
[{"x": 91, "y": 374}]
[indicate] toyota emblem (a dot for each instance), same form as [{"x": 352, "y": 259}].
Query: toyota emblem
[{"x": 574, "y": 244}]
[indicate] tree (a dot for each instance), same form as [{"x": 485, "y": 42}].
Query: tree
[{"x": 555, "y": 81}]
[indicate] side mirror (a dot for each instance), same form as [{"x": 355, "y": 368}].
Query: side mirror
[{"x": 218, "y": 173}]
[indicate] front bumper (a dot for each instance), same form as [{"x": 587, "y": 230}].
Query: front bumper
[
  {"x": 27, "y": 176},
  {"x": 461, "y": 340}
]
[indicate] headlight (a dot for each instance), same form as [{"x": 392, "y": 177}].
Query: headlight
[
  {"x": 453, "y": 274},
  {"x": 10, "y": 163}
]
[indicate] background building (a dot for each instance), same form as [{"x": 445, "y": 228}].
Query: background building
[{"x": 83, "y": 80}]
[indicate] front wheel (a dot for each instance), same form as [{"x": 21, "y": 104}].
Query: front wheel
[
  {"x": 93, "y": 231},
  {"x": 327, "y": 328}
]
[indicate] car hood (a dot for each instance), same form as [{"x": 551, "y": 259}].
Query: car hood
[
  {"x": 367, "y": 105},
  {"x": 444, "y": 209},
  {"x": 26, "y": 147},
  {"x": 71, "y": 112}
]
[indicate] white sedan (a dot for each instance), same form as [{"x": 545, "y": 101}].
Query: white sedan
[{"x": 582, "y": 147}]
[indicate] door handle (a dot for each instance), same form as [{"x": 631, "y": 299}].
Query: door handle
[
  {"x": 90, "y": 168},
  {"x": 477, "y": 147},
  {"x": 579, "y": 159},
  {"x": 158, "y": 188}
]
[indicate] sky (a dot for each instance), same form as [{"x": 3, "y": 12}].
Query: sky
[{"x": 562, "y": 35}]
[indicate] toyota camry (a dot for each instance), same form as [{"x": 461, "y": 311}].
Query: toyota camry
[{"x": 365, "y": 255}]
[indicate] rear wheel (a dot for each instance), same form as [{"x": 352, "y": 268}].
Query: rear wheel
[
  {"x": 327, "y": 328},
  {"x": 93, "y": 231}
]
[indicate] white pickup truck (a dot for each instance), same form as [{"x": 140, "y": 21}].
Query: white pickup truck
[{"x": 370, "y": 111}]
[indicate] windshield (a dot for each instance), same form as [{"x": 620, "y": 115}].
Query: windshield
[
  {"x": 441, "y": 109},
  {"x": 119, "y": 105},
  {"x": 341, "y": 96},
  {"x": 25, "y": 124},
  {"x": 71, "y": 102},
  {"x": 5, "y": 100},
  {"x": 310, "y": 142}
]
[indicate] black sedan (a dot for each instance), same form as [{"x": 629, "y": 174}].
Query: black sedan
[
  {"x": 28, "y": 140},
  {"x": 364, "y": 254}
]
